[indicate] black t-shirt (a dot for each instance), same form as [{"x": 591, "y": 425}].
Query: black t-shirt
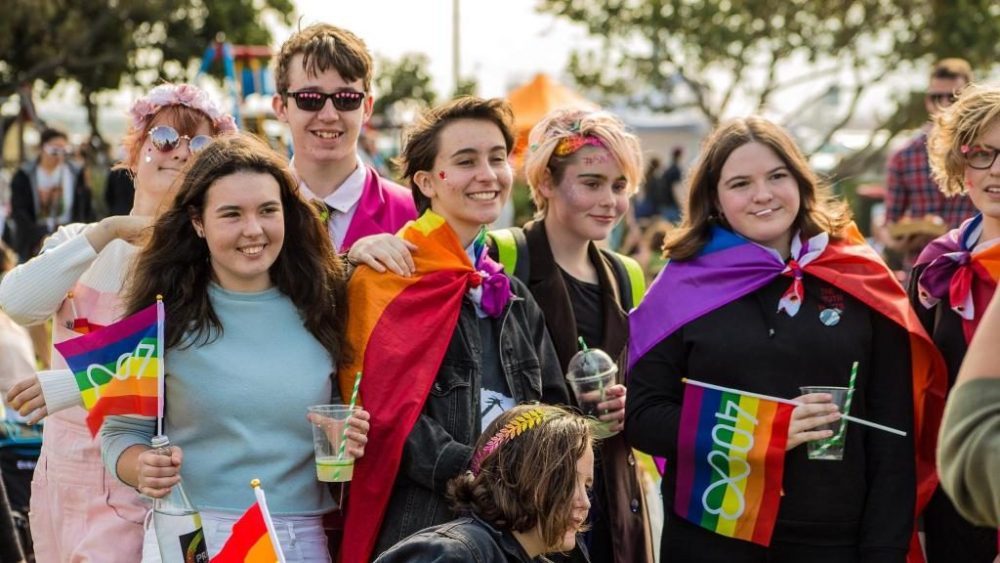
[{"x": 586, "y": 300}]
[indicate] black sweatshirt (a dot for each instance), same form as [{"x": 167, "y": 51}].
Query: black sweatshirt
[{"x": 866, "y": 500}]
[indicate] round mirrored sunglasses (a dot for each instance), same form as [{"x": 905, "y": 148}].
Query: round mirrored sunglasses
[{"x": 165, "y": 138}]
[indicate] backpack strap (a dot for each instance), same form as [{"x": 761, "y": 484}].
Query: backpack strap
[
  {"x": 630, "y": 277},
  {"x": 512, "y": 250}
]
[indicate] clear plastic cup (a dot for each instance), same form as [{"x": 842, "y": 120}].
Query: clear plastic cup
[
  {"x": 333, "y": 462},
  {"x": 590, "y": 373},
  {"x": 832, "y": 448}
]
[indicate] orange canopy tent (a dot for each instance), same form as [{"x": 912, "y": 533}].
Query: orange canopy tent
[{"x": 532, "y": 101}]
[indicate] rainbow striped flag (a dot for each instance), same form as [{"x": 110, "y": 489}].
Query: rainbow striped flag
[
  {"x": 730, "y": 459},
  {"x": 118, "y": 368},
  {"x": 398, "y": 329},
  {"x": 249, "y": 541}
]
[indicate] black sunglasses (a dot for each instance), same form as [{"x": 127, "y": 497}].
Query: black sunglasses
[
  {"x": 344, "y": 100},
  {"x": 165, "y": 138},
  {"x": 941, "y": 98}
]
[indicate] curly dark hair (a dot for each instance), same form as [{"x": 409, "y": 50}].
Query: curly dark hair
[
  {"x": 529, "y": 480},
  {"x": 175, "y": 261}
]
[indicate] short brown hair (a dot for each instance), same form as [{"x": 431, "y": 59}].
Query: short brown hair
[
  {"x": 421, "y": 145},
  {"x": 324, "y": 47},
  {"x": 976, "y": 110},
  {"x": 818, "y": 210},
  {"x": 529, "y": 480},
  {"x": 951, "y": 69}
]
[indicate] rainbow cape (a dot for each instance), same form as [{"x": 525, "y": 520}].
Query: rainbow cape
[
  {"x": 730, "y": 266},
  {"x": 957, "y": 270},
  {"x": 119, "y": 368},
  {"x": 249, "y": 542},
  {"x": 398, "y": 330},
  {"x": 730, "y": 459}
]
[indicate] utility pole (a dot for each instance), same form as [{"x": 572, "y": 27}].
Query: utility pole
[{"x": 455, "y": 42}]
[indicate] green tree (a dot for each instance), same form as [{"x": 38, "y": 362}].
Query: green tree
[
  {"x": 707, "y": 54},
  {"x": 407, "y": 80},
  {"x": 102, "y": 45}
]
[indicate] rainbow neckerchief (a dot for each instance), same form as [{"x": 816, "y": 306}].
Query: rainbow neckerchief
[{"x": 957, "y": 270}]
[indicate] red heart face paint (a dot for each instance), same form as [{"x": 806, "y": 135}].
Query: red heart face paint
[{"x": 442, "y": 175}]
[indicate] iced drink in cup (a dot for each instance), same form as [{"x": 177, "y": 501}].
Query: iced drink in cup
[
  {"x": 333, "y": 463},
  {"x": 832, "y": 448},
  {"x": 591, "y": 372}
]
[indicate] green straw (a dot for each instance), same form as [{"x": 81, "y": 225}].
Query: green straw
[
  {"x": 839, "y": 436},
  {"x": 583, "y": 345},
  {"x": 343, "y": 435}
]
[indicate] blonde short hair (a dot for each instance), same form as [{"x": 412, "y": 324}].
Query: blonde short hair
[
  {"x": 562, "y": 124},
  {"x": 976, "y": 110}
]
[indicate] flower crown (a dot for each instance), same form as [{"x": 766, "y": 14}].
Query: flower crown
[
  {"x": 180, "y": 95},
  {"x": 519, "y": 425}
]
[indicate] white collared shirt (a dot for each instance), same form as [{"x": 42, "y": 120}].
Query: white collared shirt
[{"x": 343, "y": 202}]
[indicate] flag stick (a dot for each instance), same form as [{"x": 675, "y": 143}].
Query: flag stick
[{"x": 860, "y": 421}]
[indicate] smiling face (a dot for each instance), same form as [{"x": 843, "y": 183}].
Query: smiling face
[
  {"x": 984, "y": 185},
  {"x": 591, "y": 197},
  {"x": 328, "y": 136},
  {"x": 243, "y": 224},
  {"x": 759, "y": 197},
  {"x": 157, "y": 171},
  {"x": 471, "y": 178}
]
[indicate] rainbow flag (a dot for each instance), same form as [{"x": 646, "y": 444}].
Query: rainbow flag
[
  {"x": 118, "y": 368},
  {"x": 730, "y": 459},
  {"x": 398, "y": 329},
  {"x": 249, "y": 541}
]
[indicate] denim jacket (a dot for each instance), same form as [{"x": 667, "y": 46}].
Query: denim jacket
[
  {"x": 460, "y": 541},
  {"x": 441, "y": 443}
]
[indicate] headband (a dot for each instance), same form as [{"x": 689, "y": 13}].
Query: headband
[
  {"x": 180, "y": 95},
  {"x": 519, "y": 425},
  {"x": 575, "y": 142}
]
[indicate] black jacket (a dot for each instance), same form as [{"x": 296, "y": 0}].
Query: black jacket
[
  {"x": 465, "y": 540},
  {"x": 440, "y": 445},
  {"x": 29, "y": 231},
  {"x": 863, "y": 504}
]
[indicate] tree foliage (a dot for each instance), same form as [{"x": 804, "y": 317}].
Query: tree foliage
[
  {"x": 707, "y": 54},
  {"x": 102, "y": 45},
  {"x": 407, "y": 79}
]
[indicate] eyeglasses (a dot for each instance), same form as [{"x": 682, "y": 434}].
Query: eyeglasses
[
  {"x": 981, "y": 158},
  {"x": 165, "y": 138},
  {"x": 344, "y": 100},
  {"x": 942, "y": 98},
  {"x": 56, "y": 151}
]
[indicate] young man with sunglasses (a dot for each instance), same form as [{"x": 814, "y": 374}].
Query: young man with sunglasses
[
  {"x": 916, "y": 210},
  {"x": 47, "y": 193},
  {"x": 324, "y": 75}
]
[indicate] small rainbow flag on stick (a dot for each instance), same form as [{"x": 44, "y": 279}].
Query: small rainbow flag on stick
[
  {"x": 253, "y": 539},
  {"x": 730, "y": 459},
  {"x": 119, "y": 368}
]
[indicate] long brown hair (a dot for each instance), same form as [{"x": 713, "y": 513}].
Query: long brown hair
[
  {"x": 529, "y": 480},
  {"x": 175, "y": 262},
  {"x": 819, "y": 211}
]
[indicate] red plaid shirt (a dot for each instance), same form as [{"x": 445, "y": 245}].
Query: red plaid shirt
[{"x": 911, "y": 192}]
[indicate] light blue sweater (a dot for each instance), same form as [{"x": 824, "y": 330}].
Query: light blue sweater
[{"x": 237, "y": 407}]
